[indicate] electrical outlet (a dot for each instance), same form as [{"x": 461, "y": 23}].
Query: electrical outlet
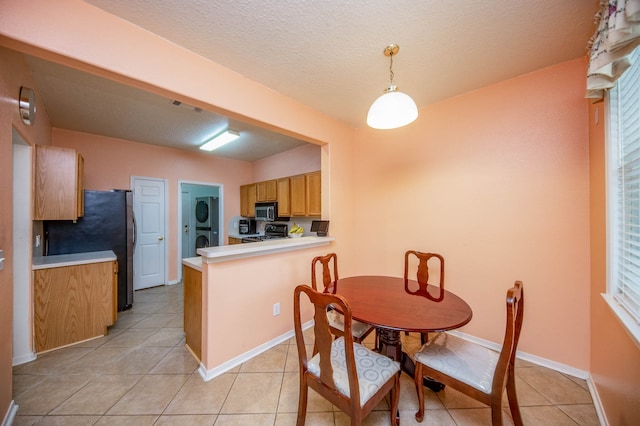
[{"x": 276, "y": 309}]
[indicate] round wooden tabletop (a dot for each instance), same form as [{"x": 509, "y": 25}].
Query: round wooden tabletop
[{"x": 399, "y": 304}]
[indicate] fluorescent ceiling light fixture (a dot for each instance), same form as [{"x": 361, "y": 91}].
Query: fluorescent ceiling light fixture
[
  {"x": 393, "y": 109},
  {"x": 222, "y": 139}
]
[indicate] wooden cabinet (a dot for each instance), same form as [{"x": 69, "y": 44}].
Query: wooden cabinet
[
  {"x": 313, "y": 183},
  {"x": 193, "y": 309},
  {"x": 248, "y": 200},
  {"x": 266, "y": 191},
  {"x": 284, "y": 197},
  {"x": 234, "y": 240},
  {"x": 74, "y": 303},
  {"x": 299, "y": 195},
  {"x": 58, "y": 184},
  {"x": 298, "y": 190}
]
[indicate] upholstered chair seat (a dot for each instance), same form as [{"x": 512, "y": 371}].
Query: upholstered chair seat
[
  {"x": 458, "y": 358},
  {"x": 374, "y": 370},
  {"x": 359, "y": 329}
]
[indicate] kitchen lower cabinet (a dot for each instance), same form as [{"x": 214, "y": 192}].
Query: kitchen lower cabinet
[
  {"x": 74, "y": 303},
  {"x": 193, "y": 309},
  {"x": 234, "y": 240}
]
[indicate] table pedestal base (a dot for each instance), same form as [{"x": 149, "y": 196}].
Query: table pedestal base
[{"x": 389, "y": 343}]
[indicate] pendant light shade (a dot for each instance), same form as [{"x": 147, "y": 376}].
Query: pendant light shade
[{"x": 393, "y": 109}]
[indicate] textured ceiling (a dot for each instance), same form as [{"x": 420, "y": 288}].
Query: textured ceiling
[{"x": 326, "y": 54}]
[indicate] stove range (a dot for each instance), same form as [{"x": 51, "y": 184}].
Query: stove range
[{"x": 272, "y": 231}]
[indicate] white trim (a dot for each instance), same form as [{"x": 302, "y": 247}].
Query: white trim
[
  {"x": 628, "y": 322},
  {"x": 221, "y": 227},
  {"x": 232, "y": 363},
  {"x": 25, "y": 358},
  {"x": 11, "y": 414},
  {"x": 597, "y": 403},
  {"x": 559, "y": 367},
  {"x": 174, "y": 282}
]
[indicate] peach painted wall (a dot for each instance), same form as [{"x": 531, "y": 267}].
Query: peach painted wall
[
  {"x": 496, "y": 180},
  {"x": 14, "y": 74},
  {"x": 234, "y": 293},
  {"x": 306, "y": 158},
  {"x": 615, "y": 359},
  {"x": 109, "y": 164}
]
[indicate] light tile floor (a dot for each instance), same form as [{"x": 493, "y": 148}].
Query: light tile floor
[{"x": 141, "y": 374}]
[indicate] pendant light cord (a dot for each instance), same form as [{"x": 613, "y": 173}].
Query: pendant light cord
[{"x": 391, "y": 68}]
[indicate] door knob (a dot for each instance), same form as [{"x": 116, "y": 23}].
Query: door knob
[{"x": 160, "y": 238}]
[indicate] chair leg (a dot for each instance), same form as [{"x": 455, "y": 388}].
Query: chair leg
[
  {"x": 395, "y": 397},
  {"x": 424, "y": 338},
  {"x": 302, "y": 402},
  {"x": 417, "y": 378},
  {"x": 513, "y": 398},
  {"x": 496, "y": 412}
]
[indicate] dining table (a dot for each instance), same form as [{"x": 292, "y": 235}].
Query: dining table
[{"x": 394, "y": 305}]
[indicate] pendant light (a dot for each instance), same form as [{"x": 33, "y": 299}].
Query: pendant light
[{"x": 393, "y": 109}]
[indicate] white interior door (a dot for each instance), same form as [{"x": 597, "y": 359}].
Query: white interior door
[{"x": 149, "y": 257}]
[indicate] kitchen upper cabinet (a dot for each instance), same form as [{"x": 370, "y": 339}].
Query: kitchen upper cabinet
[
  {"x": 298, "y": 190},
  {"x": 58, "y": 184},
  {"x": 314, "y": 194},
  {"x": 284, "y": 197},
  {"x": 299, "y": 195},
  {"x": 266, "y": 191},
  {"x": 248, "y": 200}
]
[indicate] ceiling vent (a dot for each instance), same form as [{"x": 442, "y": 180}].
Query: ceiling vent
[{"x": 185, "y": 106}]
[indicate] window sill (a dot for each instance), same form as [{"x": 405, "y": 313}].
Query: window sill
[{"x": 630, "y": 325}]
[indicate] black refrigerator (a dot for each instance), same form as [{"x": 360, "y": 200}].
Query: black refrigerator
[{"x": 108, "y": 224}]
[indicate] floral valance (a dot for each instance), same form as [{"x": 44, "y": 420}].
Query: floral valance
[{"x": 618, "y": 34}]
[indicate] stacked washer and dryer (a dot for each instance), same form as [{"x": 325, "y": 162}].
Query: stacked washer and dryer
[{"x": 206, "y": 222}]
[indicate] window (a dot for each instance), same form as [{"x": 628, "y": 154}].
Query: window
[{"x": 623, "y": 198}]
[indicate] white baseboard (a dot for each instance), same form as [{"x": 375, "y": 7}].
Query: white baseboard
[
  {"x": 23, "y": 359},
  {"x": 232, "y": 363},
  {"x": 556, "y": 366},
  {"x": 597, "y": 403},
  {"x": 534, "y": 359},
  {"x": 11, "y": 414},
  {"x": 174, "y": 282}
]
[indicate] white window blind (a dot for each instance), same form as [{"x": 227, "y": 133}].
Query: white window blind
[{"x": 624, "y": 200}]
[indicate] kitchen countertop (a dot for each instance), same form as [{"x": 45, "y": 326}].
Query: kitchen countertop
[
  {"x": 60, "y": 260},
  {"x": 193, "y": 263},
  {"x": 239, "y": 251}
]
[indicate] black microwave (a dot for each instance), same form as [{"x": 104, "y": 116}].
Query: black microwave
[{"x": 268, "y": 212}]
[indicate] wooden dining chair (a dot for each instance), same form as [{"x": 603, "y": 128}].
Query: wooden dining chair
[
  {"x": 329, "y": 264},
  {"x": 472, "y": 369},
  {"x": 350, "y": 376},
  {"x": 422, "y": 275}
]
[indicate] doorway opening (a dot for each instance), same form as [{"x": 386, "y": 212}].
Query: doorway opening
[{"x": 200, "y": 218}]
